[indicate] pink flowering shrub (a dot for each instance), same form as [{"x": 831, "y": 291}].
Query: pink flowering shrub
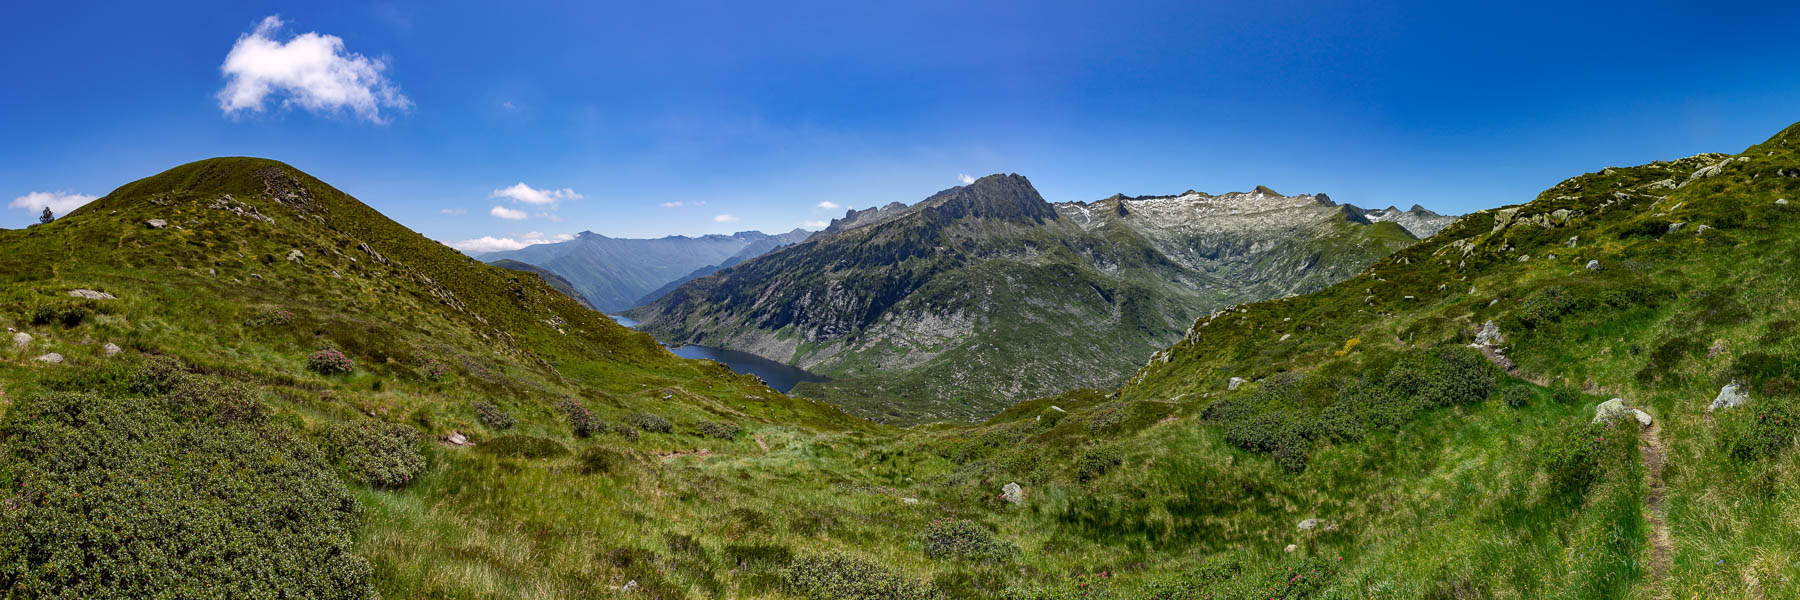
[{"x": 329, "y": 361}]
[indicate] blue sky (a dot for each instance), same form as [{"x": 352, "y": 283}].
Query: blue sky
[{"x": 646, "y": 119}]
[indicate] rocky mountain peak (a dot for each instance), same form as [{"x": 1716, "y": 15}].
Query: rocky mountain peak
[{"x": 1005, "y": 197}]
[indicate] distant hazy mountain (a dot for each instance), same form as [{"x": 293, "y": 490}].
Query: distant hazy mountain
[
  {"x": 985, "y": 294},
  {"x": 614, "y": 273}
]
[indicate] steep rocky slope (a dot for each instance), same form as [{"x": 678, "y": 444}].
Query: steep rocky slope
[
  {"x": 614, "y": 273},
  {"x": 986, "y": 294},
  {"x": 555, "y": 281}
]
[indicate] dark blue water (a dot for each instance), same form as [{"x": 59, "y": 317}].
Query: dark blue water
[{"x": 781, "y": 376}]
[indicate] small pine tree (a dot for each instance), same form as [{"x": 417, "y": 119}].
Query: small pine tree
[{"x": 47, "y": 217}]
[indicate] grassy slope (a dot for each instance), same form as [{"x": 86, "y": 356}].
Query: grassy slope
[{"x": 1149, "y": 485}]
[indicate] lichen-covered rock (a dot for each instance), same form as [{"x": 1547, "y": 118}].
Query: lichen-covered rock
[
  {"x": 1011, "y": 492},
  {"x": 1729, "y": 397},
  {"x": 21, "y": 340},
  {"x": 1593, "y": 265},
  {"x": 1234, "y": 383},
  {"x": 91, "y": 295},
  {"x": 110, "y": 349},
  {"x": 1489, "y": 335},
  {"x": 52, "y": 358},
  {"x": 156, "y": 223},
  {"x": 1611, "y": 411}
]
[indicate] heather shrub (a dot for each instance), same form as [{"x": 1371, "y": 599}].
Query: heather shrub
[
  {"x": 269, "y": 317},
  {"x": 1572, "y": 459},
  {"x": 628, "y": 432},
  {"x": 523, "y": 446},
  {"x": 650, "y": 423},
  {"x": 491, "y": 416},
  {"x": 329, "y": 361},
  {"x": 93, "y": 510},
  {"x": 1516, "y": 395},
  {"x": 716, "y": 429},
  {"x": 1769, "y": 426},
  {"x": 840, "y": 576},
  {"x": 379, "y": 454},
  {"x": 950, "y": 538},
  {"x": 434, "y": 369},
  {"x": 582, "y": 421},
  {"x": 1095, "y": 462}
]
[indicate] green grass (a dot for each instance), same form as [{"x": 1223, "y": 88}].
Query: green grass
[{"x": 1149, "y": 491}]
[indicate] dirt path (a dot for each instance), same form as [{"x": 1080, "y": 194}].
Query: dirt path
[
  {"x": 1656, "y": 510},
  {"x": 1496, "y": 356}
]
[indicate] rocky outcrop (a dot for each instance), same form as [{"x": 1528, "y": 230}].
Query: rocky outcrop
[
  {"x": 1614, "y": 410},
  {"x": 1729, "y": 397}
]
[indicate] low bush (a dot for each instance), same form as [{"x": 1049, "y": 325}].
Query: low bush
[
  {"x": 581, "y": 420},
  {"x": 379, "y": 454},
  {"x": 716, "y": 429},
  {"x": 1572, "y": 459},
  {"x": 93, "y": 510},
  {"x": 950, "y": 538},
  {"x": 329, "y": 361},
  {"x": 1516, "y": 395},
  {"x": 1565, "y": 395},
  {"x": 68, "y": 312},
  {"x": 1769, "y": 427},
  {"x": 650, "y": 423},
  {"x": 269, "y": 317},
  {"x": 523, "y": 446},
  {"x": 1095, "y": 462},
  {"x": 840, "y": 576},
  {"x": 751, "y": 557},
  {"x": 434, "y": 369},
  {"x": 491, "y": 416},
  {"x": 628, "y": 432}
]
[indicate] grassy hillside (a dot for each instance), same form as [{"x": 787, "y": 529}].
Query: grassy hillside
[
  {"x": 556, "y": 282},
  {"x": 1369, "y": 452}
]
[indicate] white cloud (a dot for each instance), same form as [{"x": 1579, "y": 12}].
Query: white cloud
[
  {"x": 507, "y": 213},
  {"x": 814, "y": 224},
  {"x": 453, "y": 211},
  {"x": 488, "y": 243},
  {"x": 828, "y": 205},
  {"x": 525, "y": 193},
  {"x": 551, "y": 217},
  {"x": 965, "y": 178},
  {"x": 508, "y": 105},
  {"x": 312, "y": 70},
  {"x": 725, "y": 219},
  {"x": 675, "y": 204},
  {"x": 58, "y": 202}
]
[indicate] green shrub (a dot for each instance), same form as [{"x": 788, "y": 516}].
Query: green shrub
[
  {"x": 650, "y": 423},
  {"x": 379, "y": 454},
  {"x": 523, "y": 446},
  {"x": 581, "y": 420},
  {"x": 1565, "y": 395},
  {"x": 841, "y": 576},
  {"x": 752, "y": 557},
  {"x": 950, "y": 538},
  {"x": 1095, "y": 462},
  {"x": 1770, "y": 427},
  {"x": 114, "y": 497},
  {"x": 1572, "y": 459},
  {"x": 628, "y": 432},
  {"x": 269, "y": 317},
  {"x": 65, "y": 311},
  {"x": 1516, "y": 395},
  {"x": 599, "y": 460},
  {"x": 491, "y": 416},
  {"x": 721, "y": 430},
  {"x": 1544, "y": 306}
]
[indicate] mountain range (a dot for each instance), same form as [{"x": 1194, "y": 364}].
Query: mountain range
[
  {"x": 985, "y": 294},
  {"x": 616, "y": 273},
  {"x": 232, "y": 380}
]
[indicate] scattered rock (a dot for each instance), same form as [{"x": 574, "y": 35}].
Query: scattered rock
[
  {"x": 1489, "y": 335},
  {"x": 909, "y": 501},
  {"x": 1574, "y": 239},
  {"x": 1611, "y": 411},
  {"x": 1292, "y": 547},
  {"x": 1593, "y": 265},
  {"x": 1729, "y": 397},
  {"x": 1674, "y": 227},
  {"x": 1057, "y": 408},
  {"x": 1561, "y": 215},
  {"x": 1309, "y": 524},
  {"x": 1781, "y": 201},
  {"x": 1717, "y": 348},
  {"x": 110, "y": 349},
  {"x": 157, "y": 223},
  {"x": 295, "y": 254},
  {"x": 21, "y": 340},
  {"x": 52, "y": 358},
  {"x": 1234, "y": 383},
  {"x": 1013, "y": 493},
  {"x": 458, "y": 439},
  {"x": 1284, "y": 337},
  {"x": 1701, "y": 229},
  {"x": 91, "y": 295}
]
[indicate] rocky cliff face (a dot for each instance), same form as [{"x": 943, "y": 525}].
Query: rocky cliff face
[{"x": 985, "y": 294}]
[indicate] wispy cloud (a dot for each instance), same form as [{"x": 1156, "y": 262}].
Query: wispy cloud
[
  {"x": 676, "y": 204},
  {"x": 965, "y": 178},
  {"x": 311, "y": 70},
  {"x": 520, "y": 192},
  {"x": 507, "y": 213},
  {"x": 488, "y": 243},
  {"x": 453, "y": 211},
  {"x": 814, "y": 224},
  {"x": 725, "y": 219},
  {"x": 58, "y": 202},
  {"x": 828, "y": 205}
]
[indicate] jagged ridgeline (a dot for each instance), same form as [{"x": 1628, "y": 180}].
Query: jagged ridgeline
[{"x": 985, "y": 294}]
